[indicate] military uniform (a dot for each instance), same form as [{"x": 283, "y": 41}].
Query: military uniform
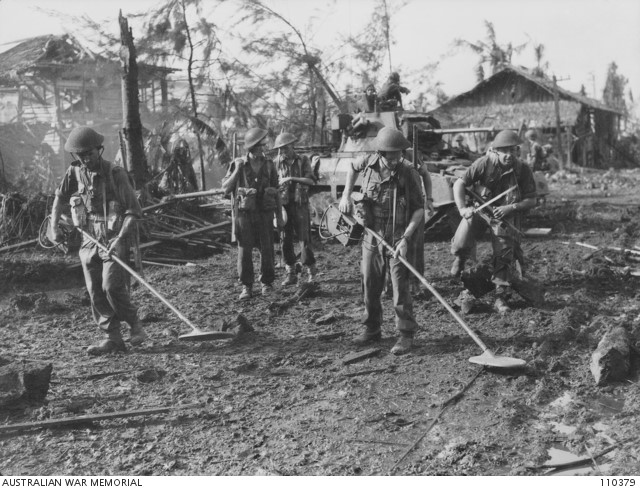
[
  {"x": 536, "y": 156},
  {"x": 495, "y": 179},
  {"x": 254, "y": 228},
  {"x": 379, "y": 187},
  {"x": 108, "y": 197},
  {"x": 294, "y": 197}
]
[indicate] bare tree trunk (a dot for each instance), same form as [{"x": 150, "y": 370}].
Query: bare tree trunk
[
  {"x": 132, "y": 125},
  {"x": 192, "y": 91},
  {"x": 387, "y": 34}
]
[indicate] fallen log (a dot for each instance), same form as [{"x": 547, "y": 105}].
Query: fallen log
[
  {"x": 189, "y": 195},
  {"x": 18, "y": 245},
  {"x": 593, "y": 247},
  {"x": 83, "y": 419},
  {"x": 611, "y": 359}
]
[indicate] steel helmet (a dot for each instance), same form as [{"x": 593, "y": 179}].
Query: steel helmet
[
  {"x": 389, "y": 139},
  {"x": 83, "y": 138},
  {"x": 394, "y": 77},
  {"x": 284, "y": 139},
  {"x": 459, "y": 138},
  {"x": 254, "y": 136},
  {"x": 531, "y": 134},
  {"x": 506, "y": 138}
]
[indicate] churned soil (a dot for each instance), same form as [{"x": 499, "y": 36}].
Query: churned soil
[{"x": 279, "y": 398}]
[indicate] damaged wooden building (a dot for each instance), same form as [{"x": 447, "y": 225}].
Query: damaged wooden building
[
  {"x": 51, "y": 84},
  {"x": 512, "y": 97}
]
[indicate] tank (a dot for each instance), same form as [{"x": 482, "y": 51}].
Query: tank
[{"x": 353, "y": 136}]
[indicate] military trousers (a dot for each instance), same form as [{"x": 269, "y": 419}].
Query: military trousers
[
  {"x": 298, "y": 226},
  {"x": 107, "y": 284},
  {"x": 375, "y": 262},
  {"x": 255, "y": 229},
  {"x": 508, "y": 258}
]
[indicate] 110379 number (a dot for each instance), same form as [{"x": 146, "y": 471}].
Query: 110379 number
[{"x": 617, "y": 482}]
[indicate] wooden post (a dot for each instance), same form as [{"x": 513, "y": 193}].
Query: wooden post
[
  {"x": 569, "y": 130},
  {"x": 132, "y": 125},
  {"x": 556, "y": 104},
  {"x": 58, "y": 125}
]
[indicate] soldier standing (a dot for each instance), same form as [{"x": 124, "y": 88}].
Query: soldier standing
[
  {"x": 393, "y": 197},
  {"x": 536, "y": 155},
  {"x": 496, "y": 172},
  {"x": 390, "y": 95},
  {"x": 253, "y": 183},
  {"x": 368, "y": 101},
  {"x": 109, "y": 203},
  {"x": 295, "y": 176}
]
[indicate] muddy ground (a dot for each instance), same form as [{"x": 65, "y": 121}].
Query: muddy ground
[{"x": 280, "y": 401}]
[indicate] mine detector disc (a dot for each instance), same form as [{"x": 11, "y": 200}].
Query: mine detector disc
[{"x": 489, "y": 359}]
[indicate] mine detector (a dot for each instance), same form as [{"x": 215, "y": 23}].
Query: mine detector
[{"x": 353, "y": 136}]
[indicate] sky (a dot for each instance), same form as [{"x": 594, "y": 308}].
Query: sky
[{"x": 581, "y": 37}]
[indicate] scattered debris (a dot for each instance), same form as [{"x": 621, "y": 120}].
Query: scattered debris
[
  {"x": 610, "y": 361},
  {"x": 24, "y": 382},
  {"x": 360, "y": 356}
]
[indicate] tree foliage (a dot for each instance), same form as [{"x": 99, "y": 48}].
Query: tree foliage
[
  {"x": 489, "y": 51},
  {"x": 614, "y": 88}
]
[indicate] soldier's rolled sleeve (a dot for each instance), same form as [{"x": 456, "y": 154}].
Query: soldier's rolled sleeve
[
  {"x": 359, "y": 164},
  {"x": 527, "y": 183},
  {"x": 306, "y": 170},
  {"x": 474, "y": 173},
  {"x": 126, "y": 194},
  {"x": 68, "y": 186},
  {"x": 416, "y": 201}
]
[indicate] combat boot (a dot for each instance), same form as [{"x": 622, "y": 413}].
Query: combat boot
[
  {"x": 267, "y": 289},
  {"x": 246, "y": 292},
  {"x": 458, "y": 266},
  {"x": 403, "y": 345},
  {"x": 312, "y": 272},
  {"x": 292, "y": 277},
  {"x": 369, "y": 335},
  {"x": 137, "y": 334},
  {"x": 113, "y": 343}
]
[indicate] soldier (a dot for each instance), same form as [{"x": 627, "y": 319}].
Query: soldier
[
  {"x": 253, "y": 183},
  {"x": 497, "y": 171},
  {"x": 180, "y": 176},
  {"x": 368, "y": 101},
  {"x": 390, "y": 95},
  {"x": 395, "y": 207},
  {"x": 295, "y": 176},
  {"x": 536, "y": 155},
  {"x": 111, "y": 209},
  {"x": 460, "y": 148}
]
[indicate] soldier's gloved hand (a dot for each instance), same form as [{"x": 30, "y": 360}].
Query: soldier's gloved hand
[
  {"x": 345, "y": 205},
  {"x": 114, "y": 245},
  {"x": 502, "y": 212},
  {"x": 467, "y": 213},
  {"x": 401, "y": 248}
]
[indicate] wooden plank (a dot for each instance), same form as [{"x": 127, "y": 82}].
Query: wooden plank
[
  {"x": 18, "y": 245},
  {"x": 359, "y": 356},
  {"x": 94, "y": 418},
  {"x": 535, "y": 232}
]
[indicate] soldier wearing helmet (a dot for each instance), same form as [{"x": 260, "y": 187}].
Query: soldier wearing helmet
[
  {"x": 109, "y": 210},
  {"x": 252, "y": 182},
  {"x": 535, "y": 155},
  {"x": 390, "y": 95},
  {"x": 460, "y": 148},
  {"x": 295, "y": 176},
  {"x": 494, "y": 173},
  {"x": 392, "y": 195}
]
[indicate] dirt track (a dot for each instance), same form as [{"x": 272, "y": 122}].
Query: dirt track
[{"x": 280, "y": 401}]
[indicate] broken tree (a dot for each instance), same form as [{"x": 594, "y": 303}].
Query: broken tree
[{"x": 134, "y": 158}]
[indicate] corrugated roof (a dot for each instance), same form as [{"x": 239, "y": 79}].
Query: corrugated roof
[
  {"x": 545, "y": 83},
  {"x": 536, "y": 114}
]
